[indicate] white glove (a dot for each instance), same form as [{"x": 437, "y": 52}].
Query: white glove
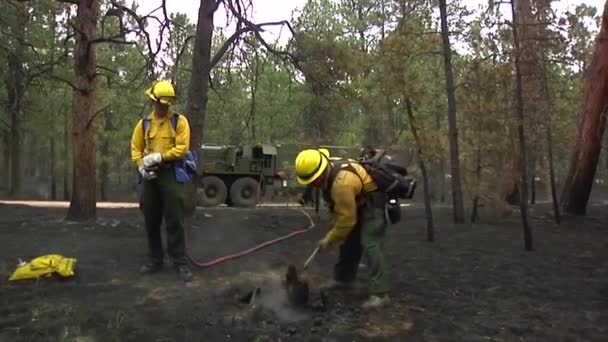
[
  {"x": 152, "y": 159},
  {"x": 147, "y": 175}
]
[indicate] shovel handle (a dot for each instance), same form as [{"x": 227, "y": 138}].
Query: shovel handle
[{"x": 311, "y": 257}]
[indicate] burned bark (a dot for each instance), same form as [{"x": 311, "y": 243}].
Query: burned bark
[
  {"x": 66, "y": 153},
  {"x": 6, "y": 157},
  {"x": 457, "y": 197},
  {"x": 84, "y": 194},
  {"x": 198, "y": 91},
  {"x": 523, "y": 188},
  {"x": 16, "y": 84},
  {"x": 591, "y": 126},
  {"x": 53, "y": 168},
  {"x": 430, "y": 227},
  {"x": 104, "y": 166}
]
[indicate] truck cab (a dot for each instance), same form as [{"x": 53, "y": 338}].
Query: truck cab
[{"x": 237, "y": 175}]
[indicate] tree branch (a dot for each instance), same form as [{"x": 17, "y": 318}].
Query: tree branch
[
  {"x": 66, "y": 81},
  {"x": 212, "y": 87},
  {"x": 92, "y": 118}
]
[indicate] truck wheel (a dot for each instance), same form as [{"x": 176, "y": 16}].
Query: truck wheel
[
  {"x": 213, "y": 192},
  {"x": 244, "y": 192}
]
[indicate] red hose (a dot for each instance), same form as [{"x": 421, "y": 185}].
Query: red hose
[{"x": 205, "y": 264}]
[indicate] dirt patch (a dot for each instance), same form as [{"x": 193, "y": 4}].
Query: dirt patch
[{"x": 474, "y": 284}]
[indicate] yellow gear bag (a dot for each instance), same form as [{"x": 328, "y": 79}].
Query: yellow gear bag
[{"x": 45, "y": 266}]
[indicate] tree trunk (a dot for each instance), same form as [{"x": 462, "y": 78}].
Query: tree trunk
[
  {"x": 254, "y": 90},
  {"x": 53, "y": 169},
  {"x": 430, "y": 227},
  {"x": 549, "y": 140},
  {"x": 199, "y": 82},
  {"x": 438, "y": 170},
  {"x": 84, "y": 190},
  {"x": 591, "y": 126},
  {"x": 15, "y": 89},
  {"x": 523, "y": 188},
  {"x": 555, "y": 200},
  {"x": 457, "y": 200},
  {"x": 66, "y": 153},
  {"x": 533, "y": 176},
  {"x": 198, "y": 90},
  {"x": 104, "y": 167},
  {"x": 6, "y": 160},
  {"x": 475, "y": 211},
  {"x": 15, "y": 151}
]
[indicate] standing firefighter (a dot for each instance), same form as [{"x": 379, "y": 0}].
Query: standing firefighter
[
  {"x": 159, "y": 146},
  {"x": 360, "y": 223}
]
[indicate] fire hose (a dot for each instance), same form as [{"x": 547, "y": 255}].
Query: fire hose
[{"x": 206, "y": 264}]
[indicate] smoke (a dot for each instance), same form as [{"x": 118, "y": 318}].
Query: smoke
[{"x": 274, "y": 298}]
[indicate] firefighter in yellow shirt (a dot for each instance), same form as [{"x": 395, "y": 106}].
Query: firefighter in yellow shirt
[
  {"x": 360, "y": 222},
  {"x": 159, "y": 140}
]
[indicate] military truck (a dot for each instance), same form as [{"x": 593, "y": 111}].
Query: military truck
[
  {"x": 237, "y": 175},
  {"x": 242, "y": 175}
]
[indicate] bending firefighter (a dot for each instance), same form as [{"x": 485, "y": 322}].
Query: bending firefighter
[
  {"x": 159, "y": 144},
  {"x": 360, "y": 222}
]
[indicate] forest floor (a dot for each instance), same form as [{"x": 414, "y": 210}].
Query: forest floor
[{"x": 475, "y": 283}]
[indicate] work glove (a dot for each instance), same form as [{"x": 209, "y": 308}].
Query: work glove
[
  {"x": 147, "y": 175},
  {"x": 325, "y": 244},
  {"x": 152, "y": 159}
]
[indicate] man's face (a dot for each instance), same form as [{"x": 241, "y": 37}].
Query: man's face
[
  {"x": 319, "y": 182},
  {"x": 160, "y": 109}
]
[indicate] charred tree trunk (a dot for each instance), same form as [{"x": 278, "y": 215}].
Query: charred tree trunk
[
  {"x": 438, "y": 169},
  {"x": 53, "y": 168},
  {"x": 198, "y": 90},
  {"x": 555, "y": 200},
  {"x": 104, "y": 167},
  {"x": 430, "y": 227},
  {"x": 66, "y": 153},
  {"x": 533, "y": 177},
  {"x": 457, "y": 197},
  {"x": 549, "y": 142},
  {"x": 475, "y": 210},
  {"x": 15, "y": 89},
  {"x": 84, "y": 190},
  {"x": 15, "y": 150},
  {"x": 591, "y": 126},
  {"x": 523, "y": 188},
  {"x": 6, "y": 159}
]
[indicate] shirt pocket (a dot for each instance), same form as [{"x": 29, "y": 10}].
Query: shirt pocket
[
  {"x": 161, "y": 135},
  {"x": 166, "y": 138}
]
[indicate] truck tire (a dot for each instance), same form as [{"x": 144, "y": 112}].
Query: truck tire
[
  {"x": 244, "y": 192},
  {"x": 213, "y": 192}
]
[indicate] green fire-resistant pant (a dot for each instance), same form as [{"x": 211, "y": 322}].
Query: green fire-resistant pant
[
  {"x": 162, "y": 198},
  {"x": 366, "y": 237}
]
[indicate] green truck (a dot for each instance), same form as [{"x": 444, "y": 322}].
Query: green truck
[{"x": 241, "y": 176}]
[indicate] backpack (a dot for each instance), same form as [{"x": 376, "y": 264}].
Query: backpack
[
  {"x": 184, "y": 168},
  {"x": 390, "y": 177}
]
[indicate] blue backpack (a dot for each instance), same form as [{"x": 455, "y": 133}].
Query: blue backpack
[{"x": 184, "y": 168}]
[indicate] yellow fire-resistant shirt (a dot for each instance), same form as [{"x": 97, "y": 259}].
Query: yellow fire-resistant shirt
[
  {"x": 172, "y": 144},
  {"x": 345, "y": 193}
]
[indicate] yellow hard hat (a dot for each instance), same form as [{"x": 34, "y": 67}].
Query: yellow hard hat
[
  {"x": 324, "y": 151},
  {"x": 310, "y": 164},
  {"x": 162, "y": 91}
]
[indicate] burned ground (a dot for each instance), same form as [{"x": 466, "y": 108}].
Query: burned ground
[{"x": 475, "y": 283}]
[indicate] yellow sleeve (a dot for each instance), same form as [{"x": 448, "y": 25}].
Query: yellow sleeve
[
  {"x": 138, "y": 144},
  {"x": 345, "y": 209},
  {"x": 182, "y": 141}
]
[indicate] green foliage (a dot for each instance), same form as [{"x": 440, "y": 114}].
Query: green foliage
[{"x": 358, "y": 61}]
